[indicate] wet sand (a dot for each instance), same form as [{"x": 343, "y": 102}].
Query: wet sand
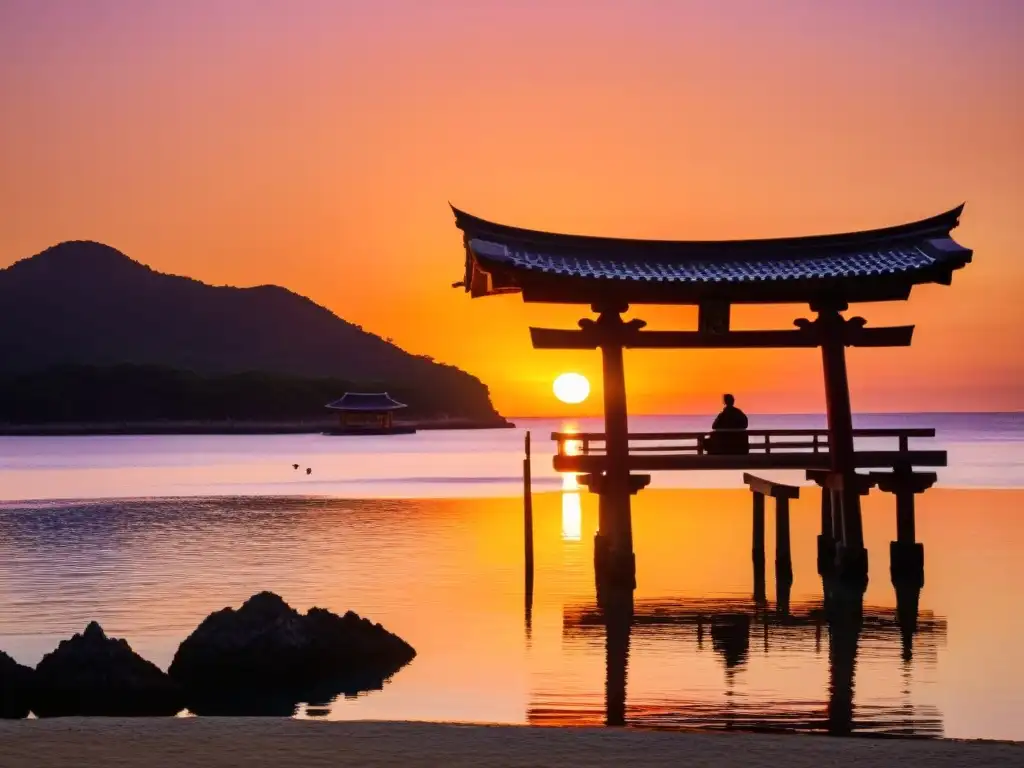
[{"x": 213, "y": 743}]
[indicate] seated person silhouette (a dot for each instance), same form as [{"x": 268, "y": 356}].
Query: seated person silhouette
[{"x": 726, "y": 437}]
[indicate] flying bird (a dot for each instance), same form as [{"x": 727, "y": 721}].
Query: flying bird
[
  {"x": 309, "y": 471},
  {"x": 295, "y": 466}
]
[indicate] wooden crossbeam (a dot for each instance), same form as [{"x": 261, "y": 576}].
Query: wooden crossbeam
[
  {"x": 650, "y": 462},
  {"x": 557, "y": 338},
  {"x": 770, "y": 487},
  {"x": 900, "y": 432}
]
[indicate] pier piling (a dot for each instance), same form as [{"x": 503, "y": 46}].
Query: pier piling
[
  {"x": 906, "y": 554},
  {"x": 757, "y": 550},
  {"x": 528, "y": 515},
  {"x": 826, "y": 539}
]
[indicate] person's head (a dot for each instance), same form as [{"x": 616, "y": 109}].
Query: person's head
[{"x": 729, "y": 400}]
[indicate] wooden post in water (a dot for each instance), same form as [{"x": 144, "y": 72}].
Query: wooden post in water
[
  {"x": 906, "y": 564},
  {"x": 783, "y": 552},
  {"x": 851, "y": 556},
  {"x": 826, "y": 539},
  {"x": 757, "y": 550},
  {"x": 620, "y": 562},
  {"x": 528, "y": 514}
]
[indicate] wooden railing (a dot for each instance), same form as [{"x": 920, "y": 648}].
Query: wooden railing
[{"x": 763, "y": 441}]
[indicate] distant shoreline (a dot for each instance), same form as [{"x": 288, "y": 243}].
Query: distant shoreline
[{"x": 72, "y": 429}]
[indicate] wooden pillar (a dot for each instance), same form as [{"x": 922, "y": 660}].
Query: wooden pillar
[
  {"x": 906, "y": 526},
  {"x": 783, "y": 553},
  {"x": 528, "y": 515},
  {"x": 826, "y": 512},
  {"x": 826, "y": 539},
  {"x": 851, "y": 557},
  {"x": 906, "y": 554},
  {"x": 615, "y": 491},
  {"x": 757, "y": 548}
]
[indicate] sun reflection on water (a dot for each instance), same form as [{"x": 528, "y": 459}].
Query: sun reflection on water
[{"x": 572, "y": 515}]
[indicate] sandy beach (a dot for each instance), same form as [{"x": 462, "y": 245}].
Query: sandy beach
[{"x": 184, "y": 743}]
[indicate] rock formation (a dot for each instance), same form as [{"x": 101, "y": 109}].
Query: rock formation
[
  {"x": 92, "y": 674},
  {"x": 265, "y": 657},
  {"x": 15, "y": 686}
]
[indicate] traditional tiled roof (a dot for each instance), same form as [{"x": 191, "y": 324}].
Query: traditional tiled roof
[
  {"x": 869, "y": 265},
  {"x": 366, "y": 401}
]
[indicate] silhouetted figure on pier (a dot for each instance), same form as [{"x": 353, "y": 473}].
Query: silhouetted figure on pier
[{"x": 726, "y": 437}]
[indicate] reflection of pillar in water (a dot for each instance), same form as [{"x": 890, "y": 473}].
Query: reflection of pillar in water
[
  {"x": 730, "y": 638},
  {"x": 617, "y": 605},
  {"x": 908, "y": 598},
  {"x": 528, "y": 609},
  {"x": 845, "y": 614}
]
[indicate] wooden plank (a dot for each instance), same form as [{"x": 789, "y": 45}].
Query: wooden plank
[
  {"x": 559, "y": 338},
  {"x": 795, "y": 460},
  {"x": 909, "y": 432},
  {"x": 770, "y": 487},
  {"x": 754, "y": 448},
  {"x": 832, "y": 481}
]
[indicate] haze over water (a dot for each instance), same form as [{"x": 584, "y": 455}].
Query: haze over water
[{"x": 214, "y": 519}]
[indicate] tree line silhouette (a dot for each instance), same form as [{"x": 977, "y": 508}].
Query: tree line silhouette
[{"x": 144, "y": 393}]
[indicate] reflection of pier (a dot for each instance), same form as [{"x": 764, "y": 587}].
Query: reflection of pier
[{"x": 729, "y": 628}]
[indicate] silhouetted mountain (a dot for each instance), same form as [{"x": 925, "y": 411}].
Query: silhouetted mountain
[{"x": 87, "y": 304}]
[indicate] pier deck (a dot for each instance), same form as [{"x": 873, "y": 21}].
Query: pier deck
[{"x": 584, "y": 452}]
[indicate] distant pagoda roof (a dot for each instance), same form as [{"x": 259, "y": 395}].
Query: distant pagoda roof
[
  {"x": 871, "y": 265},
  {"x": 366, "y": 401}
]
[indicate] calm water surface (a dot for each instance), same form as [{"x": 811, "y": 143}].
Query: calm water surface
[
  {"x": 985, "y": 451},
  {"x": 446, "y": 574}
]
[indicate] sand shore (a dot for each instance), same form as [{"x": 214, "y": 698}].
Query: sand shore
[{"x": 255, "y": 743}]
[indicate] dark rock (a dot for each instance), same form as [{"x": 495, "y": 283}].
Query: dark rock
[
  {"x": 266, "y": 657},
  {"x": 92, "y": 674},
  {"x": 15, "y": 687}
]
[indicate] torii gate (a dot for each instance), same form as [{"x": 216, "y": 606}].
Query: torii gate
[{"x": 825, "y": 272}]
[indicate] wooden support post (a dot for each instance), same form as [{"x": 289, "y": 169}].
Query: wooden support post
[
  {"x": 601, "y": 537},
  {"x": 621, "y": 562},
  {"x": 851, "y": 557},
  {"x": 826, "y": 539},
  {"x": 906, "y": 526},
  {"x": 528, "y": 515},
  {"x": 757, "y": 549},
  {"x": 783, "y": 554},
  {"x": 826, "y": 512},
  {"x": 906, "y": 554}
]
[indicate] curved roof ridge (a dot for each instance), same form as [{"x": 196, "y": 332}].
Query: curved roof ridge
[
  {"x": 366, "y": 401},
  {"x": 475, "y": 227}
]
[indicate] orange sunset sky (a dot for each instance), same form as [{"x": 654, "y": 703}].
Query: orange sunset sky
[{"x": 315, "y": 144}]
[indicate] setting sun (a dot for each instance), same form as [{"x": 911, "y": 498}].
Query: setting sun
[{"x": 572, "y": 388}]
